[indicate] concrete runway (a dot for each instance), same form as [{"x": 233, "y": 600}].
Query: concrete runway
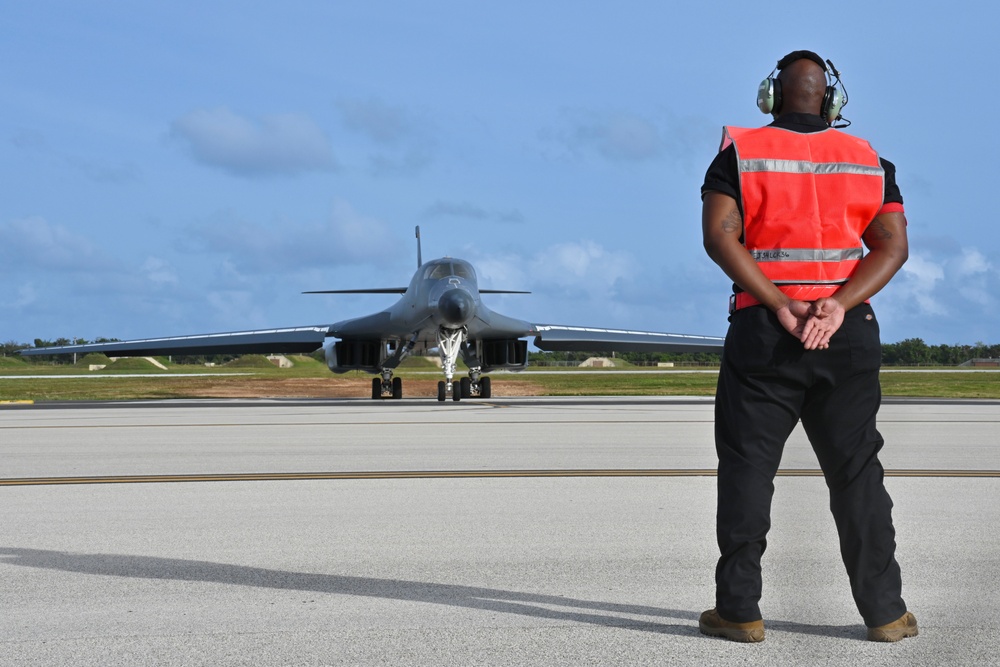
[{"x": 538, "y": 532}]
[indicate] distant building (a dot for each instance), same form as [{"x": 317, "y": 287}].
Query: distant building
[
  {"x": 280, "y": 360},
  {"x": 982, "y": 363}
]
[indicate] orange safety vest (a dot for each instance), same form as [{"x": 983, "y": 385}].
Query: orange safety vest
[{"x": 807, "y": 199}]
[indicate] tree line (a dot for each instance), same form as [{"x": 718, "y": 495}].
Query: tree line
[{"x": 909, "y": 352}]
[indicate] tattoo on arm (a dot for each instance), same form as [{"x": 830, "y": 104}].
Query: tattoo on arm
[
  {"x": 732, "y": 223},
  {"x": 879, "y": 231}
]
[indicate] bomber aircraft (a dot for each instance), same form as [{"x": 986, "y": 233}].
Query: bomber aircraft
[{"x": 441, "y": 308}]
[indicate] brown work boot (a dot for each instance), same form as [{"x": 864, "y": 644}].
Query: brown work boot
[
  {"x": 902, "y": 627},
  {"x": 713, "y": 625}
]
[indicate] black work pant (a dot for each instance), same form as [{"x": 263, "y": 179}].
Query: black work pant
[{"x": 767, "y": 383}]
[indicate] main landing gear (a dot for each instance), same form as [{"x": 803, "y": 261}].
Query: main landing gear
[{"x": 387, "y": 386}]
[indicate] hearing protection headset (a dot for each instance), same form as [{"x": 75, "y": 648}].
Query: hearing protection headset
[{"x": 834, "y": 99}]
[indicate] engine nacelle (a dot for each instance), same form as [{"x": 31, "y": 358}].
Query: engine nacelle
[
  {"x": 354, "y": 355},
  {"x": 507, "y": 353}
]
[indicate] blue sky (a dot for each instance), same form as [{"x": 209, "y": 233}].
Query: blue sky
[{"x": 180, "y": 168}]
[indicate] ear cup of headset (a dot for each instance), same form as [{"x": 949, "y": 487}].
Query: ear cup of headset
[
  {"x": 833, "y": 102},
  {"x": 769, "y": 95}
]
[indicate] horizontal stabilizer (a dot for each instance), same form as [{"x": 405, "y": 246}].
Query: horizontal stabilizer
[
  {"x": 400, "y": 290},
  {"x": 556, "y": 338},
  {"x": 372, "y": 290}
]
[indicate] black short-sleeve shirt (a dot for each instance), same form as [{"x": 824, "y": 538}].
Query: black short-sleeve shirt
[{"x": 724, "y": 176}]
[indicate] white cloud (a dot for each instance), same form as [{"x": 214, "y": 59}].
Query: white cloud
[
  {"x": 949, "y": 298},
  {"x": 577, "y": 282},
  {"x": 345, "y": 237},
  {"x": 380, "y": 122},
  {"x": 979, "y": 295},
  {"x": 920, "y": 278},
  {"x": 232, "y": 306},
  {"x": 408, "y": 162},
  {"x": 34, "y": 243},
  {"x": 567, "y": 263},
  {"x": 576, "y": 264},
  {"x": 955, "y": 283},
  {"x": 974, "y": 274},
  {"x": 923, "y": 272},
  {"x": 585, "y": 283},
  {"x": 971, "y": 262},
  {"x": 275, "y": 144},
  {"x": 355, "y": 237},
  {"x": 25, "y": 295},
  {"x": 159, "y": 271},
  {"x": 405, "y": 145},
  {"x": 620, "y": 137},
  {"x": 469, "y": 211},
  {"x": 627, "y": 137}
]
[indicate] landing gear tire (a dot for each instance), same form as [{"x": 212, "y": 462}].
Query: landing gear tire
[
  {"x": 441, "y": 390},
  {"x": 376, "y": 389},
  {"x": 456, "y": 391},
  {"x": 465, "y": 386},
  {"x": 397, "y": 388},
  {"x": 485, "y": 390}
]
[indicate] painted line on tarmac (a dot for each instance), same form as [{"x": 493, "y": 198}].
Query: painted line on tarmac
[
  {"x": 448, "y": 474},
  {"x": 115, "y": 376}
]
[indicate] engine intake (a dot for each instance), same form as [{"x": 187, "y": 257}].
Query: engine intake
[
  {"x": 354, "y": 355},
  {"x": 508, "y": 353}
]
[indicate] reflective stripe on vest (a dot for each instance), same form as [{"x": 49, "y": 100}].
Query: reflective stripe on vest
[
  {"x": 807, "y": 255},
  {"x": 802, "y": 167},
  {"x": 807, "y": 199}
]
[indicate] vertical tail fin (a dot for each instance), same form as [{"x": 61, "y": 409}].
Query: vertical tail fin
[{"x": 420, "y": 261}]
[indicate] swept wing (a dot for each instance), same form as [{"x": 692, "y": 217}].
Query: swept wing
[
  {"x": 295, "y": 340},
  {"x": 560, "y": 338}
]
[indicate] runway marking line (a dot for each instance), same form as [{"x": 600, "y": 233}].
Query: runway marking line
[
  {"x": 326, "y": 424},
  {"x": 85, "y": 427},
  {"x": 449, "y": 474}
]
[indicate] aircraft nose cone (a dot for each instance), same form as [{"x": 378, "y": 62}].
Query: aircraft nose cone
[{"x": 456, "y": 307}]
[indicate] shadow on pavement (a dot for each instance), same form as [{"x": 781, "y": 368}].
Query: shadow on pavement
[{"x": 471, "y": 597}]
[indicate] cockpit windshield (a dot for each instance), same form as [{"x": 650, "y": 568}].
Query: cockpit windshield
[
  {"x": 463, "y": 270},
  {"x": 446, "y": 269},
  {"x": 438, "y": 271}
]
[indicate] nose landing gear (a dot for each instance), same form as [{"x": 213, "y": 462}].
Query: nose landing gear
[{"x": 467, "y": 387}]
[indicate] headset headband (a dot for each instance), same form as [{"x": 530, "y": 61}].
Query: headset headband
[
  {"x": 834, "y": 98},
  {"x": 800, "y": 55}
]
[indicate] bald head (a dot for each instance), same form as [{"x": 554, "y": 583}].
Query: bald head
[{"x": 803, "y": 84}]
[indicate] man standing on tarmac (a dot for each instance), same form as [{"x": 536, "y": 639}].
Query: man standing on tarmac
[{"x": 786, "y": 209}]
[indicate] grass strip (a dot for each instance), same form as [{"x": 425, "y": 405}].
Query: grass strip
[{"x": 307, "y": 379}]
